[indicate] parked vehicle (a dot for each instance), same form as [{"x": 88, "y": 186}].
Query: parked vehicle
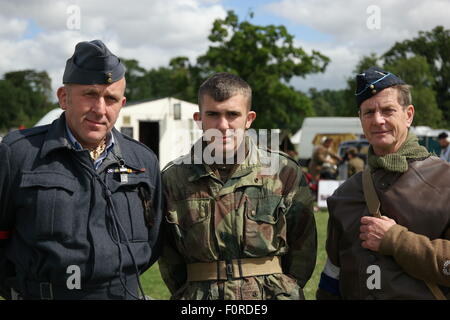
[{"x": 315, "y": 128}]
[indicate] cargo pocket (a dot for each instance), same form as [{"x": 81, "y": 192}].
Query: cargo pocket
[
  {"x": 133, "y": 203},
  {"x": 190, "y": 221},
  {"x": 50, "y": 197},
  {"x": 265, "y": 224}
]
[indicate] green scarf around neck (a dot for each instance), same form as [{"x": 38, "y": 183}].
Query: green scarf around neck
[{"x": 398, "y": 161}]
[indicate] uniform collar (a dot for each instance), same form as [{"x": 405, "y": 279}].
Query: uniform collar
[
  {"x": 78, "y": 146},
  {"x": 57, "y": 138},
  {"x": 251, "y": 161}
]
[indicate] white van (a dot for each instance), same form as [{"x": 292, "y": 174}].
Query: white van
[{"x": 336, "y": 127}]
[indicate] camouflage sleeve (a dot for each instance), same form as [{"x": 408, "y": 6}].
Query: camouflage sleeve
[
  {"x": 171, "y": 263},
  {"x": 425, "y": 259},
  {"x": 301, "y": 232}
]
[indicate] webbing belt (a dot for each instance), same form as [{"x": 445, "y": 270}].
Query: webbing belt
[{"x": 233, "y": 269}]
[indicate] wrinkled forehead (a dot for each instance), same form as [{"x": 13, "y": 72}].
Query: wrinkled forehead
[
  {"x": 385, "y": 98},
  {"x": 117, "y": 87}
]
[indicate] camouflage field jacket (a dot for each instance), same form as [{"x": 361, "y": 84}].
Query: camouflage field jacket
[{"x": 255, "y": 213}]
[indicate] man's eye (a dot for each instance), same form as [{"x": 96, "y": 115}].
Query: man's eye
[{"x": 111, "y": 98}]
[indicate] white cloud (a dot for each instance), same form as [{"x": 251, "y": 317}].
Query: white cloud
[
  {"x": 12, "y": 28},
  {"x": 343, "y": 62},
  {"x": 34, "y": 34},
  {"x": 346, "y": 22},
  {"x": 151, "y": 32}
]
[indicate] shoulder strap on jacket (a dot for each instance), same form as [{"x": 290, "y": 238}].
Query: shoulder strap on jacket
[{"x": 372, "y": 201}]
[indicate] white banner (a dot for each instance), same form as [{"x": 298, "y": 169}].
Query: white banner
[{"x": 326, "y": 189}]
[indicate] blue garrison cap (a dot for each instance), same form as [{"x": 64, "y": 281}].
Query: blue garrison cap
[
  {"x": 93, "y": 63},
  {"x": 372, "y": 81}
]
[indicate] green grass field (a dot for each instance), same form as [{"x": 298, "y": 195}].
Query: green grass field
[{"x": 155, "y": 288}]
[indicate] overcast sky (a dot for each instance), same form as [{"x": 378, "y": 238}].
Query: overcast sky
[{"x": 41, "y": 34}]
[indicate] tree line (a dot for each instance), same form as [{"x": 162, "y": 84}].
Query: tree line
[{"x": 266, "y": 57}]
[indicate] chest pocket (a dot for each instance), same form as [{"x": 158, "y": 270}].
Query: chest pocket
[
  {"x": 49, "y": 202},
  {"x": 265, "y": 223},
  {"x": 133, "y": 202}
]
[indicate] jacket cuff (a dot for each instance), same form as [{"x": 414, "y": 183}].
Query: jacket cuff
[{"x": 388, "y": 243}]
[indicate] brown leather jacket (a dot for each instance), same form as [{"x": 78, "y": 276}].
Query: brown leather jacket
[{"x": 418, "y": 200}]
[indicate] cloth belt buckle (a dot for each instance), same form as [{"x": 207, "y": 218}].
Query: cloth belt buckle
[
  {"x": 229, "y": 269},
  {"x": 46, "y": 290}
]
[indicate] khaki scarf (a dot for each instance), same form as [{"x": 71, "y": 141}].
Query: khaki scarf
[
  {"x": 398, "y": 161},
  {"x": 97, "y": 151}
]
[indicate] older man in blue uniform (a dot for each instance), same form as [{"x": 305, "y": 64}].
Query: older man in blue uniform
[{"x": 79, "y": 201}]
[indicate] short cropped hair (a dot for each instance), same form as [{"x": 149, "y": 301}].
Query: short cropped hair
[
  {"x": 404, "y": 94},
  {"x": 222, "y": 86},
  {"x": 443, "y": 135}
]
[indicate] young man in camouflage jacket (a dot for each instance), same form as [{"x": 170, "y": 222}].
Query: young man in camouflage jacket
[{"x": 240, "y": 230}]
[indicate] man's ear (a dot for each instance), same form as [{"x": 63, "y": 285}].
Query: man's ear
[
  {"x": 251, "y": 116},
  {"x": 409, "y": 114},
  {"x": 61, "y": 93},
  {"x": 198, "y": 119}
]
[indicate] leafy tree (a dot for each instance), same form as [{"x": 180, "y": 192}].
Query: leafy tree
[
  {"x": 328, "y": 103},
  {"x": 434, "y": 45},
  {"x": 416, "y": 72},
  {"x": 24, "y": 98},
  {"x": 177, "y": 80},
  {"x": 265, "y": 56},
  {"x": 137, "y": 88}
]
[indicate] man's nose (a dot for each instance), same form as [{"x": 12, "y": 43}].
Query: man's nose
[
  {"x": 223, "y": 124},
  {"x": 99, "y": 106},
  {"x": 379, "y": 118}
]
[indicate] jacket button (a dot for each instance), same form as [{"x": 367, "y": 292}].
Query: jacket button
[
  {"x": 256, "y": 179},
  {"x": 253, "y": 212}
]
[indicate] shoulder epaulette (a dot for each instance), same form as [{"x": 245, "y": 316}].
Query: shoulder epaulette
[
  {"x": 281, "y": 153},
  {"x": 167, "y": 167},
  {"x": 18, "y": 135},
  {"x": 173, "y": 162}
]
